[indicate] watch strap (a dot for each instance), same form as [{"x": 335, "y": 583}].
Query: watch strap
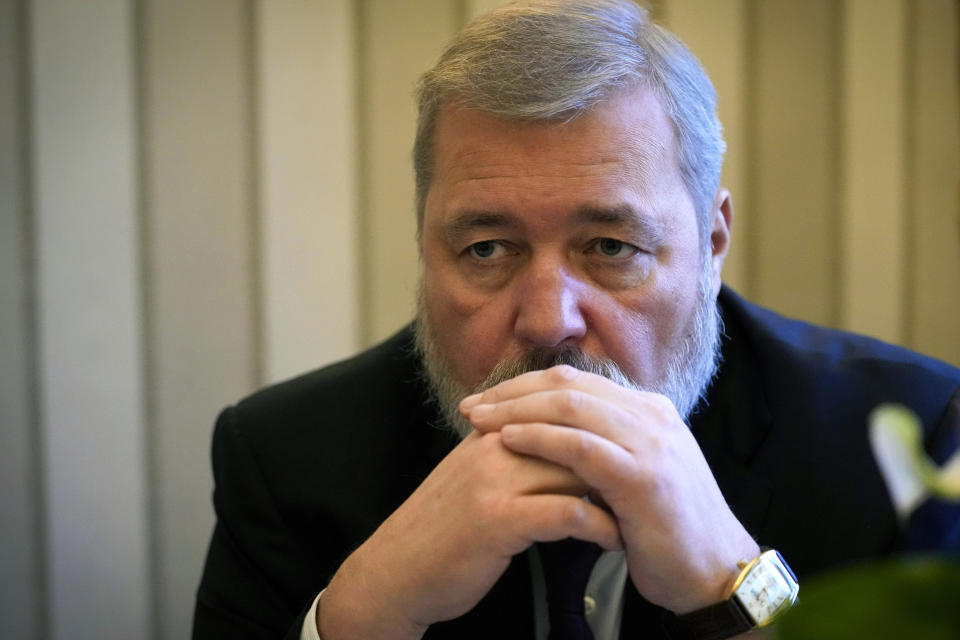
[{"x": 716, "y": 622}]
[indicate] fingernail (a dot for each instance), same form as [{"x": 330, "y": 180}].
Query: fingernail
[
  {"x": 469, "y": 401},
  {"x": 481, "y": 411}
]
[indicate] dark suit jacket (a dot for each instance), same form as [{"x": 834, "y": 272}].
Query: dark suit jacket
[{"x": 307, "y": 469}]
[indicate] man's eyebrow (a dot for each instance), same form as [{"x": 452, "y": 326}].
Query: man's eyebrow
[
  {"x": 468, "y": 221},
  {"x": 638, "y": 224}
]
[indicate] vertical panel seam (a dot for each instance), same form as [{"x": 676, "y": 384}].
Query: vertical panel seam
[
  {"x": 839, "y": 215},
  {"x": 835, "y": 126},
  {"x": 902, "y": 225},
  {"x": 37, "y": 492},
  {"x": 750, "y": 146},
  {"x": 155, "y": 594},
  {"x": 355, "y": 101},
  {"x": 255, "y": 267},
  {"x": 842, "y": 222},
  {"x": 908, "y": 219},
  {"x": 364, "y": 297}
]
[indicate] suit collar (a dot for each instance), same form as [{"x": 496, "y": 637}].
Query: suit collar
[{"x": 735, "y": 420}]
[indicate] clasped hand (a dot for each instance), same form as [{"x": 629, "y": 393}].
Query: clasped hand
[
  {"x": 543, "y": 440},
  {"x": 641, "y": 461}
]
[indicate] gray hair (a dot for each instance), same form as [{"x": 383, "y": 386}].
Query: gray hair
[{"x": 552, "y": 60}]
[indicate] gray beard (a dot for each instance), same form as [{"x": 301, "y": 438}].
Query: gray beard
[{"x": 689, "y": 371}]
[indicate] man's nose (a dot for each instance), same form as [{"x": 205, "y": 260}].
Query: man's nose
[{"x": 550, "y": 305}]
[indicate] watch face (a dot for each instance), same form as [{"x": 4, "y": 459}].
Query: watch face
[{"x": 767, "y": 589}]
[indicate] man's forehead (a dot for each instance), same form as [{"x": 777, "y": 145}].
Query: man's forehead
[{"x": 630, "y": 128}]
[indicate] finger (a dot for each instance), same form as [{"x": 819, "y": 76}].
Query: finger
[
  {"x": 540, "y": 476},
  {"x": 545, "y": 518},
  {"x": 554, "y": 377},
  {"x": 558, "y": 377},
  {"x": 566, "y": 407},
  {"x": 524, "y": 474},
  {"x": 600, "y": 463}
]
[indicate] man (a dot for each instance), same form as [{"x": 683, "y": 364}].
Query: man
[{"x": 572, "y": 232}]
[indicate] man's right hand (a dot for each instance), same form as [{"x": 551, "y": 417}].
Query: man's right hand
[{"x": 444, "y": 548}]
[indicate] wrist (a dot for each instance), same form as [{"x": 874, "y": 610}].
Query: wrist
[
  {"x": 717, "y": 585},
  {"x": 353, "y": 606},
  {"x": 735, "y": 571},
  {"x": 764, "y": 588}
]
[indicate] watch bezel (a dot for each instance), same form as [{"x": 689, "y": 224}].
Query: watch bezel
[{"x": 769, "y": 560}]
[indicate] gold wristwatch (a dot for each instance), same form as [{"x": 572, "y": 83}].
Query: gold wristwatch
[{"x": 765, "y": 588}]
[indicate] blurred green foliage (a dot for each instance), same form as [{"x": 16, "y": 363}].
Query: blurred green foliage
[{"x": 911, "y": 597}]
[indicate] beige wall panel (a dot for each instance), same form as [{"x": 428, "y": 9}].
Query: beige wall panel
[
  {"x": 934, "y": 277},
  {"x": 90, "y": 341},
  {"x": 715, "y": 30},
  {"x": 308, "y": 189},
  {"x": 399, "y": 41},
  {"x": 793, "y": 171},
  {"x": 21, "y": 613},
  {"x": 202, "y": 333},
  {"x": 872, "y": 221}
]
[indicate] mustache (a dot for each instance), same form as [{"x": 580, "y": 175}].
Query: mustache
[{"x": 541, "y": 358}]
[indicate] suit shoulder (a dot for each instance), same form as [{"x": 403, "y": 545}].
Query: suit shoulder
[
  {"x": 383, "y": 379},
  {"x": 829, "y": 348},
  {"x": 800, "y": 361}
]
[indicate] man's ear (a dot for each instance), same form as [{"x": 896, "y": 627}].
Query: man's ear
[{"x": 721, "y": 217}]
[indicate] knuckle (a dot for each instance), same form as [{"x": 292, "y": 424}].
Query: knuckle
[
  {"x": 562, "y": 373},
  {"x": 654, "y": 446},
  {"x": 657, "y": 456},
  {"x": 575, "y": 515},
  {"x": 651, "y": 482},
  {"x": 491, "y": 395},
  {"x": 663, "y": 406},
  {"x": 569, "y": 401},
  {"x": 581, "y": 445}
]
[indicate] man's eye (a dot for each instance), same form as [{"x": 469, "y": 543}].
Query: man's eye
[
  {"x": 611, "y": 248},
  {"x": 485, "y": 249}
]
